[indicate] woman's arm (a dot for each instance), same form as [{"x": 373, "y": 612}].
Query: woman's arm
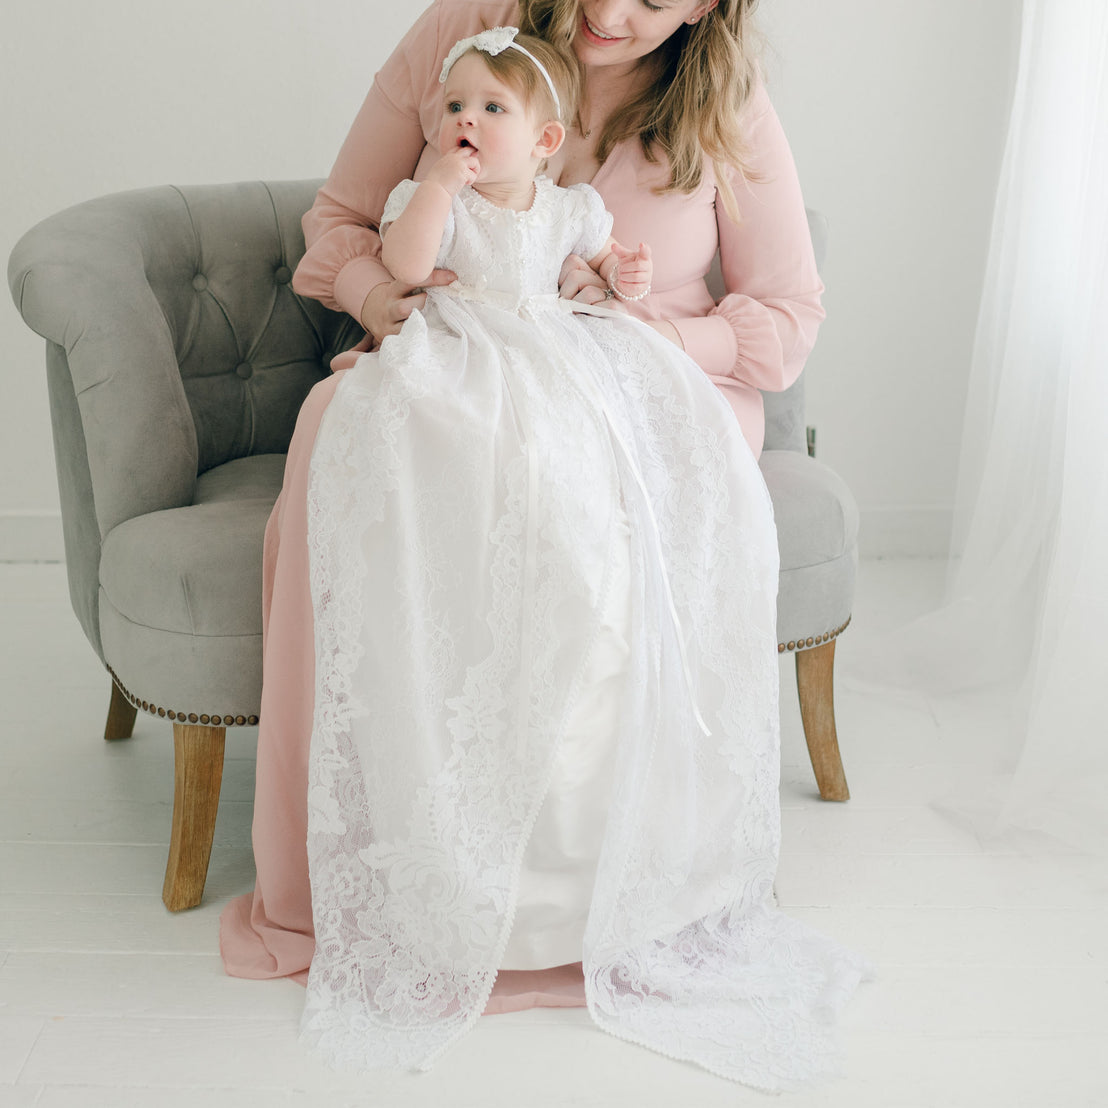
[
  {"x": 342, "y": 263},
  {"x": 765, "y": 326}
]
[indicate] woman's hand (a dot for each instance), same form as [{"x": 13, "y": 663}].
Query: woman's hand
[
  {"x": 390, "y": 303},
  {"x": 579, "y": 281}
]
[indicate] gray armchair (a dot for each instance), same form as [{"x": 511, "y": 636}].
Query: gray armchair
[{"x": 177, "y": 358}]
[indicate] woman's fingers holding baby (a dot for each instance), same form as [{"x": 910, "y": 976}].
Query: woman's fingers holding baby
[
  {"x": 578, "y": 281},
  {"x": 390, "y": 303}
]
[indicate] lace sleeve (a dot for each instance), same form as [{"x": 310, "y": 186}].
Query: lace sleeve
[{"x": 592, "y": 220}]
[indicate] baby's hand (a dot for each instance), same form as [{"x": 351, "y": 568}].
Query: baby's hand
[
  {"x": 454, "y": 170},
  {"x": 635, "y": 270}
]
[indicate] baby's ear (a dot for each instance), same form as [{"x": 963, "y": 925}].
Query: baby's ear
[{"x": 551, "y": 137}]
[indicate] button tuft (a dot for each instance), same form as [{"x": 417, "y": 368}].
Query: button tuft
[
  {"x": 200, "y": 282},
  {"x": 244, "y": 370}
]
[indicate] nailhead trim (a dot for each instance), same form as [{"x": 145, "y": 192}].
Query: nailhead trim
[
  {"x": 214, "y": 720},
  {"x": 181, "y": 717},
  {"x": 813, "y": 640}
]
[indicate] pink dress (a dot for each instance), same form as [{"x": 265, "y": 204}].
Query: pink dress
[{"x": 756, "y": 338}]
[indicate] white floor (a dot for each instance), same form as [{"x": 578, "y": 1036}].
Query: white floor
[{"x": 993, "y": 955}]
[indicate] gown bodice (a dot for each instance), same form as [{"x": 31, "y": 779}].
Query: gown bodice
[{"x": 512, "y": 255}]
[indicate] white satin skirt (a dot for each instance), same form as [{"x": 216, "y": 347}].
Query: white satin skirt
[{"x": 559, "y": 864}]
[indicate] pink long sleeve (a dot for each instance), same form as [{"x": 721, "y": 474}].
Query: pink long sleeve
[
  {"x": 342, "y": 263},
  {"x": 763, "y": 329}
]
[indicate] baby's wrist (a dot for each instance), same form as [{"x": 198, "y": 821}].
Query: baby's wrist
[
  {"x": 613, "y": 284},
  {"x": 441, "y": 186}
]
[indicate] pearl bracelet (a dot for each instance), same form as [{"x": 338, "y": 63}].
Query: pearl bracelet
[{"x": 613, "y": 278}]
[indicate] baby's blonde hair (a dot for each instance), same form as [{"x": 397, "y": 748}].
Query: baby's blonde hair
[{"x": 519, "y": 72}]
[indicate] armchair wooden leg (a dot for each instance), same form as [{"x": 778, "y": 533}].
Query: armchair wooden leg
[
  {"x": 198, "y": 773},
  {"x": 815, "y": 684},
  {"x": 121, "y": 716}
]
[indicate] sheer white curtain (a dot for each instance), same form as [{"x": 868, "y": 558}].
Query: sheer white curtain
[
  {"x": 1032, "y": 504},
  {"x": 1027, "y": 598}
]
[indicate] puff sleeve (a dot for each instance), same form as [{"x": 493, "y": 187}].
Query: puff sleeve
[
  {"x": 399, "y": 199},
  {"x": 591, "y": 220}
]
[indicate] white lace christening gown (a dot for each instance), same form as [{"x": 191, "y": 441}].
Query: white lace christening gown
[{"x": 543, "y": 561}]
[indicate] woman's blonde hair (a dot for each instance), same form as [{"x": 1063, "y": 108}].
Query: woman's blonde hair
[
  {"x": 705, "y": 73},
  {"x": 518, "y": 71}
]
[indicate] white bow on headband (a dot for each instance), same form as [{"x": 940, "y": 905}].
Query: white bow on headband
[{"x": 494, "y": 42}]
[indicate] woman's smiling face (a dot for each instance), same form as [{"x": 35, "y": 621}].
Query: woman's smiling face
[{"x": 620, "y": 32}]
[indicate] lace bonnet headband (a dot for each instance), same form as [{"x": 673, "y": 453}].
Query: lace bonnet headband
[{"x": 494, "y": 42}]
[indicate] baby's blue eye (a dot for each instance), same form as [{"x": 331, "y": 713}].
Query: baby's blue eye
[
  {"x": 493, "y": 108},
  {"x": 453, "y": 106}
]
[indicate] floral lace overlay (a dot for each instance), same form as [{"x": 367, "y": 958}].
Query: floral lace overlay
[{"x": 465, "y": 486}]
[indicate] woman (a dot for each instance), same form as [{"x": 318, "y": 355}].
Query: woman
[
  {"x": 756, "y": 338},
  {"x": 760, "y": 334}
]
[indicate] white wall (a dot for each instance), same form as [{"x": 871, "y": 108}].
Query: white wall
[
  {"x": 895, "y": 109},
  {"x": 897, "y": 112}
]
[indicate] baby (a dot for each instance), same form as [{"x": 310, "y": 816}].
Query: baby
[{"x": 503, "y": 117}]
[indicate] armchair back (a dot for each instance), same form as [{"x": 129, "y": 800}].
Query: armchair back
[{"x": 174, "y": 344}]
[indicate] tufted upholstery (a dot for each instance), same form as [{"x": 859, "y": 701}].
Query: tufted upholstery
[{"x": 177, "y": 359}]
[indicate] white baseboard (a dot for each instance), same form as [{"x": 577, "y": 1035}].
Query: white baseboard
[
  {"x": 31, "y": 537},
  {"x": 883, "y": 533},
  {"x": 905, "y": 532}
]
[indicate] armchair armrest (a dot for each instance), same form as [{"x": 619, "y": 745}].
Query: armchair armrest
[{"x": 80, "y": 280}]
